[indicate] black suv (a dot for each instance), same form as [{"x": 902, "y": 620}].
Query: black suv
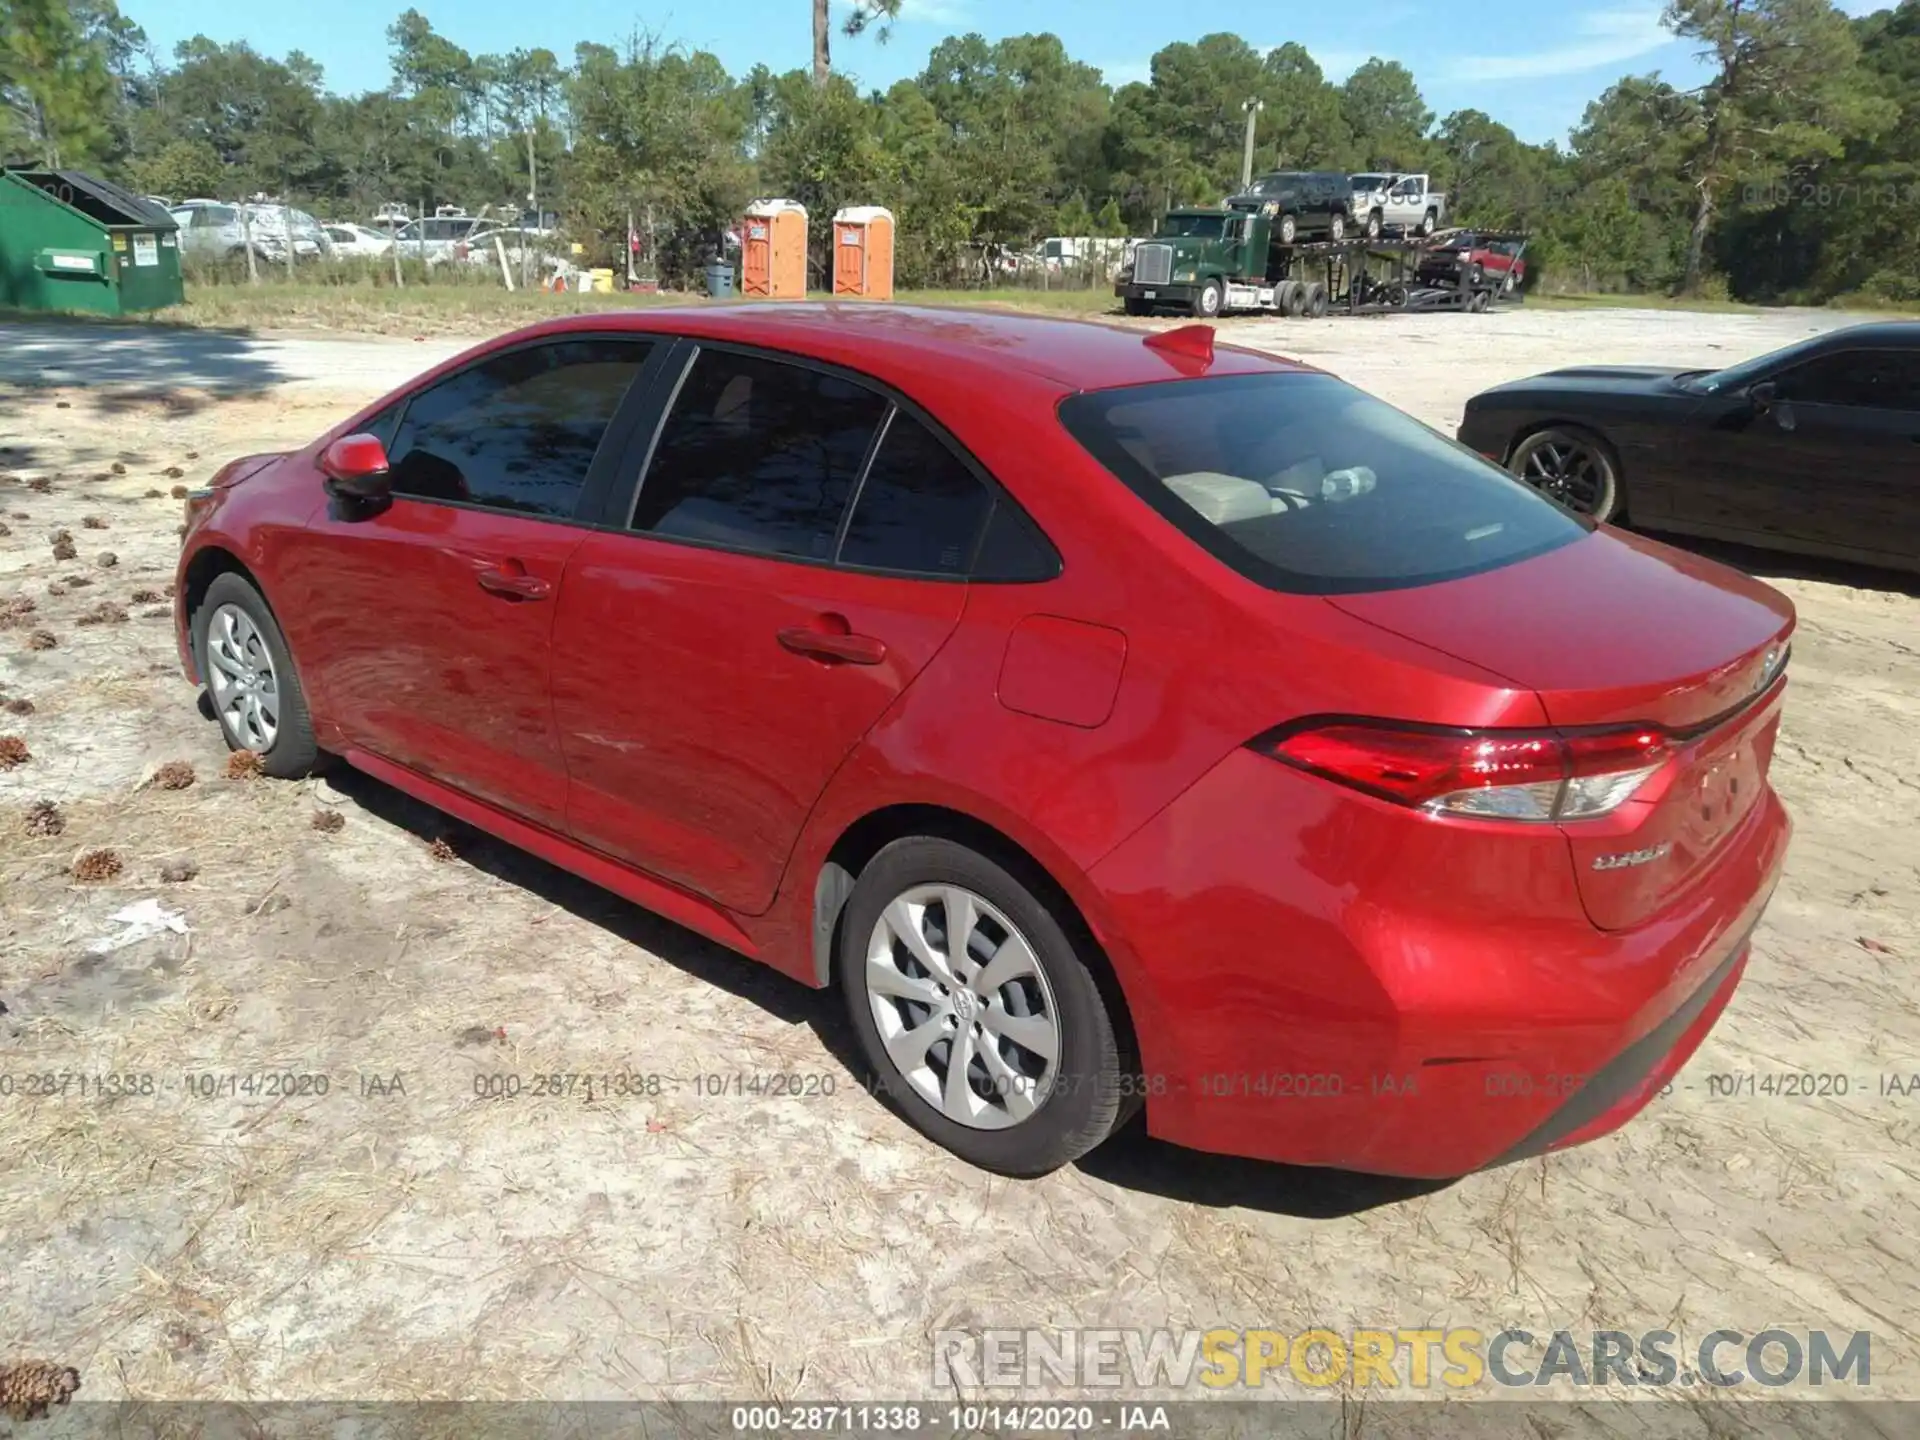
[{"x": 1302, "y": 202}]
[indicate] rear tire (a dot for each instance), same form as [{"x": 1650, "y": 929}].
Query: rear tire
[
  {"x": 1017, "y": 1112},
  {"x": 1373, "y": 225},
  {"x": 251, "y": 682},
  {"x": 1428, "y": 223},
  {"x": 1316, "y": 300}
]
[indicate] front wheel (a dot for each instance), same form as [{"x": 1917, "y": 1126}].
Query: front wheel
[
  {"x": 1138, "y": 307},
  {"x": 1373, "y": 225},
  {"x": 980, "y": 1020},
  {"x": 1207, "y": 302},
  {"x": 1575, "y": 467},
  {"x": 1288, "y": 229},
  {"x": 1337, "y": 227},
  {"x": 250, "y": 679}
]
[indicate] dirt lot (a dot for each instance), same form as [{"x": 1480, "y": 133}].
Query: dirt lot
[{"x": 402, "y": 1237}]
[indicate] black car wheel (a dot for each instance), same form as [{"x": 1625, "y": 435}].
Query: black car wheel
[{"x": 1575, "y": 467}]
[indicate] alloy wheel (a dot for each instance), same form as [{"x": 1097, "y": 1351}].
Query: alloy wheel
[
  {"x": 963, "y": 1006},
  {"x": 240, "y": 673},
  {"x": 1567, "y": 470}
]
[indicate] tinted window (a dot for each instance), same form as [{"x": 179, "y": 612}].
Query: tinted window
[
  {"x": 758, "y": 455},
  {"x": 919, "y": 509},
  {"x": 1863, "y": 379},
  {"x": 1206, "y": 227},
  {"x": 1303, "y": 483},
  {"x": 518, "y": 432}
]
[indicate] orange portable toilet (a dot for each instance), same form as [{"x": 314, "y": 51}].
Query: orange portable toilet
[
  {"x": 773, "y": 251},
  {"x": 863, "y": 252}
]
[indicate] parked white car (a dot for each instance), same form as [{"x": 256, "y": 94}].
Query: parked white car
[
  {"x": 359, "y": 241},
  {"x": 210, "y": 230},
  {"x": 1402, "y": 203}
]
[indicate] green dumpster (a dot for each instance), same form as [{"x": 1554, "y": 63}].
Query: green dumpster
[{"x": 71, "y": 241}]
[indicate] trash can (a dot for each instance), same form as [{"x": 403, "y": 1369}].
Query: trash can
[
  {"x": 72, "y": 241},
  {"x": 720, "y": 281}
]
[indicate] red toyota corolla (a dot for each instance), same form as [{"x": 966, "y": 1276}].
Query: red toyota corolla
[{"x": 1113, "y": 719}]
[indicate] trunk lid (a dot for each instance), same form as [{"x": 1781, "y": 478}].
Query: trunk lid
[{"x": 1615, "y": 630}]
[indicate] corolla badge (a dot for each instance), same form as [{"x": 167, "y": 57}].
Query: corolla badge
[{"x": 1626, "y": 859}]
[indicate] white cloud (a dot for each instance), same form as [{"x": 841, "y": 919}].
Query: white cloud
[
  {"x": 1126, "y": 72},
  {"x": 1603, "y": 37}
]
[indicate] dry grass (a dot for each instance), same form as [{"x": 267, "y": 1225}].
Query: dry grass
[
  {"x": 18, "y": 705},
  {"x": 13, "y": 752},
  {"x": 328, "y": 822},
  {"x": 178, "y": 872},
  {"x": 42, "y": 640},
  {"x": 105, "y": 613},
  {"x": 43, "y": 819},
  {"x": 244, "y": 765},
  {"x": 179, "y": 492},
  {"x": 146, "y": 597},
  {"x": 106, "y": 560},
  {"x": 153, "y": 494},
  {"x": 64, "y": 550},
  {"x": 40, "y": 485},
  {"x": 95, "y": 522},
  {"x": 94, "y": 866},
  {"x": 173, "y": 472},
  {"x": 174, "y": 775},
  {"x": 442, "y": 849}
]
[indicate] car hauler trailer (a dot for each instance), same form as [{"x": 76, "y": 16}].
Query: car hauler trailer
[{"x": 1228, "y": 260}]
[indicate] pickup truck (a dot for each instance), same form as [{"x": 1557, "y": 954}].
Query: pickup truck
[{"x": 1404, "y": 203}]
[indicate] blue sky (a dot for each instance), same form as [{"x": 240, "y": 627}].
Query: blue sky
[{"x": 1534, "y": 67}]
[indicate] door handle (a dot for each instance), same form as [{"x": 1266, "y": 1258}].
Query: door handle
[
  {"x": 515, "y": 584},
  {"x": 826, "y": 645}
]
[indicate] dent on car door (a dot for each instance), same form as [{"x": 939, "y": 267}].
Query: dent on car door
[
  {"x": 796, "y": 555},
  {"x": 427, "y": 620}
]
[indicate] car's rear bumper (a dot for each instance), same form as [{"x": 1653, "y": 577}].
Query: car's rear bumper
[{"x": 1318, "y": 980}]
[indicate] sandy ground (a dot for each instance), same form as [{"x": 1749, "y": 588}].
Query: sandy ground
[{"x": 402, "y": 1236}]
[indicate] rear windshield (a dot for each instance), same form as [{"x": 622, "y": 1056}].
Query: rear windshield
[{"x": 1305, "y": 484}]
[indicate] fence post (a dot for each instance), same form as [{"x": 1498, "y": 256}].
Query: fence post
[
  {"x": 423, "y": 240},
  {"x": 246, "y": 239},
  {"x": 500, "y": 249},
  {"x": 286, "y": 215},
  {"x": 393, "y": 248}
]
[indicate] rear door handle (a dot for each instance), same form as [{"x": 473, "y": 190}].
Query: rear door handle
[
  {"x": 516, "y": 584},
  {"x": 825, "y": 645}
]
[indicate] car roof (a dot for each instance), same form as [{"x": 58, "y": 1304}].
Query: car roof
[
  {"x": 903, "y": 343},
  {"x": 1895, "y": 332}
]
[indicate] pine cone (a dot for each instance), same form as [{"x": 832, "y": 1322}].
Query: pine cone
[{"x": 29, "y": 1389}]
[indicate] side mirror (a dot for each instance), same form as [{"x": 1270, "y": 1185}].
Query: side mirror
[
  {"x": 356, "y": 468},
  {"x": 1762, "y": 396}
]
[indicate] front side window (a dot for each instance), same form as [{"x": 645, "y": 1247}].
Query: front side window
[
  {"x": 920, "y": 509},
  {"x": 1204, "y": 227},
  {"x": 758, "y": 455},
  {"x": 1305, "y": 484},
  {"x": 1857, "y": 379},
  {"x": 517, "y": 432}
]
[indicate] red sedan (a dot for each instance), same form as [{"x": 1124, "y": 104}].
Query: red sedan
[{"x": 1114, "y": 719}]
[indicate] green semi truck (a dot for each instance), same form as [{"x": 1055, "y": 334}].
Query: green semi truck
[{"x": 1236, "y": 258}]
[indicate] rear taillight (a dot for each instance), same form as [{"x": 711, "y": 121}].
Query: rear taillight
[{"x": 1540, "y": 775}]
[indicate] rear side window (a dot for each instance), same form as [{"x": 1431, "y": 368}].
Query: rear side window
[
  {"x": 517, "y": 432},
  {"x": 919, "y": 509},
  {"x": 1305, "y": 484},
  {"x": 759, "y": 455}
]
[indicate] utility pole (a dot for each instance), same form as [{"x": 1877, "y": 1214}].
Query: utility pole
[{"x": 1252, "y": 109}]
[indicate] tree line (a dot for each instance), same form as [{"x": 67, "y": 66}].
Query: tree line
[{"x": 1791, "y": 174}]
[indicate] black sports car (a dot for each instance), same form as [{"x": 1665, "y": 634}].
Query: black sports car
[{"x": 1814, "y": 448}]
